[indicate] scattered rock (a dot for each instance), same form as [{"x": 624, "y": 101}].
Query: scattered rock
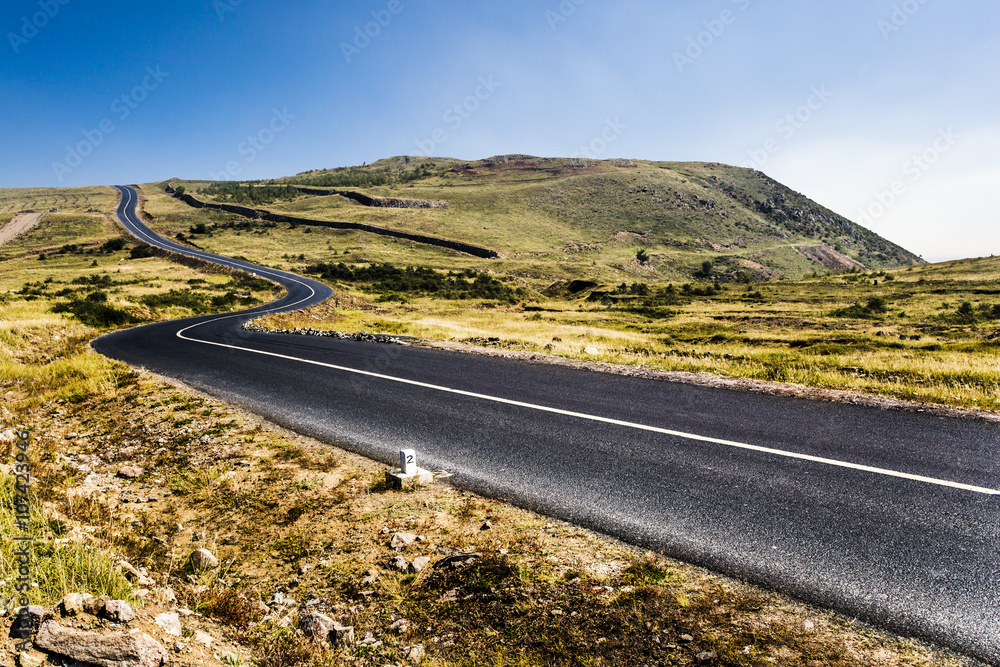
[
  {"x": 280, "y": 601},
  {"x": 27, "y": 621},
  {"x": 119, "y": 649},
  {"x": 399, "y": 563},
  {"x": 31, "y": 659},
  {"x": 457, "y": 560},
  {"x": 130, "y": 472},
  {"x": 450, "y": 596},
  {"x": 705, "y": 657},
  {"x": 170, "y": 622},
  {"x": 72, "y": 604},
  {"x": 808, "y": 625},
  {"x": 179, "y": 646},
  {"x": 486, "y": 526},
  {"x": 418, "y": 564},
  {"x": 342, "y": 635},
  {"x": 371, "y": 576},
  {"x": 203, "y": 638},
  {"x": 402, "y": 626},
  {"x": 591, "y": 350},
  {"x": 317, "y": 626},
  {"x": 119, "y": 611},
  {"x": 416, "y": 655},
  {"x": 95, "y": 606},
  {"x": 402, "y": 540},
  {"x": 686, "y": 639},
  {"x": 134, "y": 575},
  {"x": 203, "y": 559}
]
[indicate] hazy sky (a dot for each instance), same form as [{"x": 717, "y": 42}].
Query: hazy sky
[{"x": 883, "y": 110}]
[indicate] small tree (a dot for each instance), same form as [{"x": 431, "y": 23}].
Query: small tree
[
  {"x": 642, "y": 256},
  {"x": 966, "y": 313},
  {"x": 179, "y": 190}
]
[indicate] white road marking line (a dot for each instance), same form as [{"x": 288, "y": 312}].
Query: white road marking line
[
  {"x": 138, "y": 230},
  {"x": 596, "y": 418},
  {"x": 607, "y": 420}
]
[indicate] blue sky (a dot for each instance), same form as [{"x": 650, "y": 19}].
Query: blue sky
[{"x": 883, "y": 110}]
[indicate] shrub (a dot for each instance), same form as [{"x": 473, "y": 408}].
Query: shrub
[
  {"x": 386, "y": 278},
  {"x": 113, "y": 245},
  {"x": 141, "y": 251},
  {"x": 194, "y": 301},
  {"x": 250, "y": 194},
  {"x": 966, "y": 313},
  {"x": 95, "y": 312},
  {"x": 876, "y": 307}
]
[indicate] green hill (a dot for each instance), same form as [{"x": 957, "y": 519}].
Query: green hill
[{"x": 603, "y": 213}]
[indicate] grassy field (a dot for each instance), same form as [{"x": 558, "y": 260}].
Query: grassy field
[
  {"x": 285, "y": 513},
  {"x": 67, "y": 200}
]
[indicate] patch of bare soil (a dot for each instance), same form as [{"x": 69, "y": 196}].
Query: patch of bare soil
[
  {"x": 830, "y": 258},
  {"x": 21, "y": 223}
]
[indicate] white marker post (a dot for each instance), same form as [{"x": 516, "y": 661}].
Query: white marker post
[
  {"x": 409, "y": 474},
  {"x": 408, "y": 461}
]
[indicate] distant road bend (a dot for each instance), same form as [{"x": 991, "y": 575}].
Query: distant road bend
[{"x": 889, "y": 516}]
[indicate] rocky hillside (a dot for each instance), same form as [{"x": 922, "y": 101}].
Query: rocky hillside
[{"x": 604, "y": 212}]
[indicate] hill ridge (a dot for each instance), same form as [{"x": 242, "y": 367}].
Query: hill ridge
[{"x": 680, "y": 214}]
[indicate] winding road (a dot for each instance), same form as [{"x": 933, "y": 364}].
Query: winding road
[{"x": 889, "y": 516}]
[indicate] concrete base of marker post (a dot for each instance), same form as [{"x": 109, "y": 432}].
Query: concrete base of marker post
[{"x": 408, "y": 475}]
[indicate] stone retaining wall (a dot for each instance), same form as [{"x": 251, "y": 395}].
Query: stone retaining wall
[{"x": 256, "y": 214}]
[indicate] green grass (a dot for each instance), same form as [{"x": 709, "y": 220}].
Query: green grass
[
  {"x": 61, "y": 233},
  {"x": 57, "y": 565}
]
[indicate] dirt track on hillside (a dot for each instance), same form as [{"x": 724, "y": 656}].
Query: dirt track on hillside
[{"x": 21, "y": 223}]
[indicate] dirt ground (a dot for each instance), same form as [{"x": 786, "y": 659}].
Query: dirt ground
[{"x": 21, "y": 223}]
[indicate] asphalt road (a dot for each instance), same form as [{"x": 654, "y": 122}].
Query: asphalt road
[{"x": 889, "y": 516}]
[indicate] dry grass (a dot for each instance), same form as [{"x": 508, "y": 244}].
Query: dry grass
[
  {"x": 67, "y": 200},
  {"x": 918, "y": 350}
]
